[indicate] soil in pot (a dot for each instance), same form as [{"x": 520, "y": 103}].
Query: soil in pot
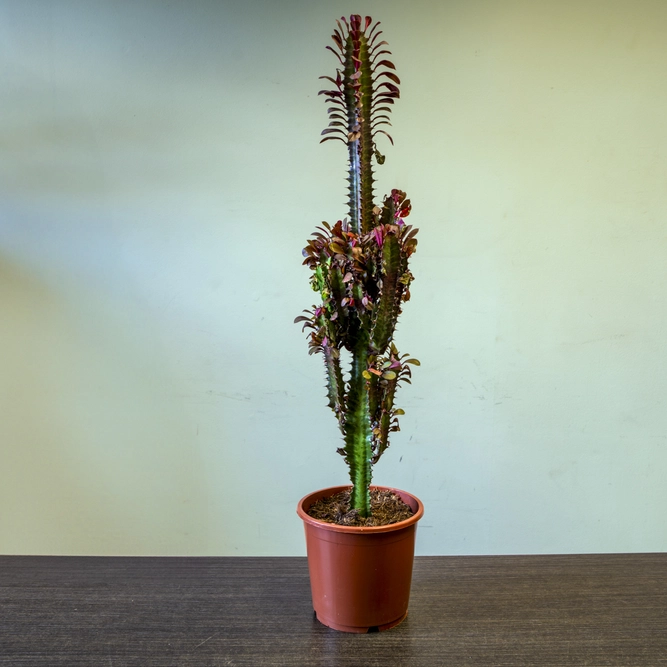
[{"x": 386, "y": 508}]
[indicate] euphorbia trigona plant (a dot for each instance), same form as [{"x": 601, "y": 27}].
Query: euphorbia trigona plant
[{"x": 360, "y": 264}]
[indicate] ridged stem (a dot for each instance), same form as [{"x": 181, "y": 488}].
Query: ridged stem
[{"x": 358, "y": 452}]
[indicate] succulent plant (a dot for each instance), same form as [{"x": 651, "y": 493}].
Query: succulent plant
[{"x": 360, "y": 264}]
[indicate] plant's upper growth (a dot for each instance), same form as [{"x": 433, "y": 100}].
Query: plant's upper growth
[{"x": 360, "y": 264}]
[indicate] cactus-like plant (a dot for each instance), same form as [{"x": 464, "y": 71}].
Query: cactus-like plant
[{"x": 360, "y": 264}]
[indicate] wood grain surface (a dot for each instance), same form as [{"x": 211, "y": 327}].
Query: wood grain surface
[{"x": 464, "y": 611}]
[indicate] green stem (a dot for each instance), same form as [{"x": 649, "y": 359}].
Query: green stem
[
  {"x": 388, "y": 305},
  {"x": 358, "y": 451}
]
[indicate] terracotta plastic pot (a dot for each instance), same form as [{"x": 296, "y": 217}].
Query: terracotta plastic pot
[{"x": 360, "y": 576}]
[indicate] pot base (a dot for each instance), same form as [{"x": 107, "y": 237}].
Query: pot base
[{"x": 360, "y": 630}]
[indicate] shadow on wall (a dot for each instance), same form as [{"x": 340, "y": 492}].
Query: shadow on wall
[{"x": 94, "y": 440}]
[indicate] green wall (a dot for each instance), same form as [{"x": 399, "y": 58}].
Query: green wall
[{"x": 159, "y": 174}]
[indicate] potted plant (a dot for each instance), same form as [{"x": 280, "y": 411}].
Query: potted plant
[{"x": 361, "y": 566}]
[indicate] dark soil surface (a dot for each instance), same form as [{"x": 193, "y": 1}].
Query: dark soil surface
[{"x": 386, "y": 508}]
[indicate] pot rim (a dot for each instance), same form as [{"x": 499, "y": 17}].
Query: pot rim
[{"x": 330, "y": 491}]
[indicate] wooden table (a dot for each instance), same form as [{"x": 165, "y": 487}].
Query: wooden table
[{"x": 491, "y": 610}]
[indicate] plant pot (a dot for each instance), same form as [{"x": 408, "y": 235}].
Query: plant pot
[{"x": 360, "y": 576}]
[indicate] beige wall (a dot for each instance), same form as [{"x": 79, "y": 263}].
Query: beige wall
[{"x": 159, "y": 174}]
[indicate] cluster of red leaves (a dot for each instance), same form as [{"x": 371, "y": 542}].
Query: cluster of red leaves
[{"x": 358, "y": 259}]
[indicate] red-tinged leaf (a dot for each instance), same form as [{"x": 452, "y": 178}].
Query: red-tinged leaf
[
  {"x": 332, "y": 130},
  {"x": 383, "y": 100},
  {"x": 339, "y": 42},
  {"x": 356, "y": 75},
  {"x": 330, "y": 93},
  {"x": 329, "y": 78},
  {"x": 301, "y": 318},
  {"x": 386, "y": 63},
  {"x": 393, "y": 94},
  {"x": 379, "y": 44},
  {"x": 375, "y": 372},
  {"x": 369, "y": 20},
  {"x": 373, "y": 29},
  {"x": 348, "y": 276},
  {"x": 388, "y": 135},
  {"x": 331, "y": 138},
  {"x": 375, "y": 36},
  {"x": 342, "y": 62},
  {"x": 376, "y": 109},
  {"x": 342, "y": 30},
  {"x": 337, "y": 123},
  {"x": 389, "y": 86},
  {"x": 378, "y": 54},
  {"x": 389, "y": 75}
]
